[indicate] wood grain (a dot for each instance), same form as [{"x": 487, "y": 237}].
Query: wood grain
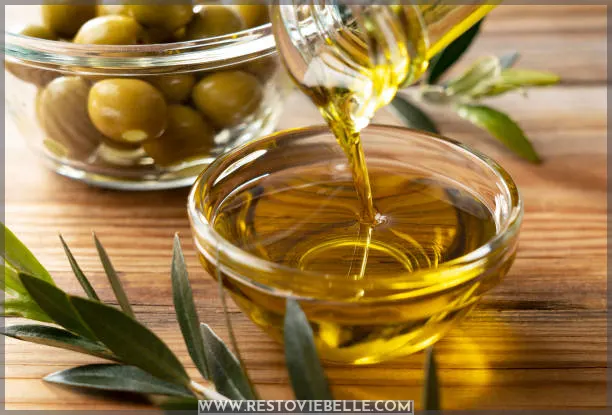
[{"x": 537, "y": 341}]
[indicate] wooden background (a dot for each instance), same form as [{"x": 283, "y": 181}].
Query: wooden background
[{"x": 537, "y": 341}]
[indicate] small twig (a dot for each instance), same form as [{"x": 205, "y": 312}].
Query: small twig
[{"x": 206, "y": 392}]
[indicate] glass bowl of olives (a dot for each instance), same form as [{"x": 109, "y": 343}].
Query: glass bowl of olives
[{"x": 140, "y": 96}]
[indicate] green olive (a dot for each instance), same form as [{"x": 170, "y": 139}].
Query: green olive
[
  {"x": 180, "y": 34},
  {"x": 186, "y": 136},
  {"x": 127, "y": 110},
  {"x": 156, "y": 35},
  {"x": 106, "y": 9},
  {"x": 169, "y": 17},
  {"x": 175, "y": 88},
  {"x": 39, "y": 31},
  {"x": 263, "y": 68},
  {"x": 66, "y": 19},
  {"x": 108, "y": 154},
  {"x": 214, "y": 21},
  {"x": 29, "y": 74},
  {"x": 111, "y": 30},
  {"x": 227, "y": 98},
  {"x": 61, "y": 108},
  {"x": 253, "y": 15}
]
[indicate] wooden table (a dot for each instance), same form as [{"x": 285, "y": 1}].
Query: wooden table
[{"x": 537, "y": 341}]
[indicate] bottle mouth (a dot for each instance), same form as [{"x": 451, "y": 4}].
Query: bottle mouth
[{"x": 205, "y": 54}]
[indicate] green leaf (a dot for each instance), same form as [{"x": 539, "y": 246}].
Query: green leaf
[
  {"x": 89, "y": 290},
  {"x": 129, "y": 340},
  {"x": 508, "y": 60},
  {"x": 186, "y": 310},
  {"x": 20, "y": 257},
  {"x": 527, "y": 77},
  {"x": 434, "y": 94},
  {"x": 305, "y": 371},
  {"x": 12, "y": 284},
  {"x": 500, "y": 126},
  {"x": 412, "y": 116},
  {"x": 478, "y": 78},
  {"x": 451, "y": 54},
  {"x": 56, "y": 337},
  {"x": 227, "y": 374},
  {"x": 494, "y": 90},
  {"x": 114, "y": 377},
  {"x": 431, "y": 390},
  {"x": 512, "y": 79},
  {"x": 113, "y": 278},
  {"x": 56, "y": 304},
  {"x": 230, "y": 331},
  {"x": 24, "y": 307}
]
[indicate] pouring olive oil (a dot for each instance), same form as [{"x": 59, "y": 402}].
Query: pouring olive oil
[
  {"x": 365, "y": 222},
  {"x": 351, "y": 65},
  {"x": 352, "y": 60}
]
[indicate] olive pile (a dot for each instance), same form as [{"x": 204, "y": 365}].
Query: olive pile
[{"x": 171, "y": 117}]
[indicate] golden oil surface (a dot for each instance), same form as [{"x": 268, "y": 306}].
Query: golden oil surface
[{"x": 308, "y": 218}]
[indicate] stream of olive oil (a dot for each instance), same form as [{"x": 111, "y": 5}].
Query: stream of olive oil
[
  {"x": 363, "y": 222},
  {"x": 379, "y": 66}
]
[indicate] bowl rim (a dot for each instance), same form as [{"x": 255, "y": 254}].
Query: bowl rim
[
  {"x": 225, "y": 50},
  {"x": 508, "y": 229}
]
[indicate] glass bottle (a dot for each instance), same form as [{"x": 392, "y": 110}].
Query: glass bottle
[{"x": 352, "y": 58}]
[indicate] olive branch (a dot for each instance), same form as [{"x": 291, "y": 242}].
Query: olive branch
[
  {"x": 139, "y": 361},
  {"x": 487, "y": 77}
]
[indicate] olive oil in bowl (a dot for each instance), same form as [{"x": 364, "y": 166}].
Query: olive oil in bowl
[
  {"x": 386, "y": 236},
  {"x": 281, "y": 218}
]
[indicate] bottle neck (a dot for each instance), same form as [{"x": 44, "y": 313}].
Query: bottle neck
[{"x": 351, "y": 60}]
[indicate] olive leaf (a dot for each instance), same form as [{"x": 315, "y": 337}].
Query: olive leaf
[
  {"x": 12, "y": 284},
  {"x": 478, "y": 78},
  {"x": 20, "y": 258},
  {"x": 412, "y": 115},
  {"x": 493, "y": 90},
  {"x": 186, "y": 310},
  {"x": 452, "y": 53},
  {"x": 227, "y": 373},
  {"x": 114, "y": 377},
  {"x": 500, "y": 126},
  {"x": 114, "y": 280},
  {"x": 230, "y": 331},
  {"x": 129, "y": 340},
  {"x": 305, "y": 371},
  {"x": 435, "y": 94},
  {"x": 511, "y": 79},
  {"x": 431, "y": 390},
  {"x": 24, "y": 307},
  {"x": 56, "y": 337},
  {"x": 89, "y": 290},
  {"x": 508, "y": 60},
  {"x": 56, "y": 304},
  {"x": 528, "y": 77}
]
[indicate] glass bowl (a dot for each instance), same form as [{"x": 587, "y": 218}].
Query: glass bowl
[
  {"x": 401, "y": 312},
  {"x": 57, "y": 126}
]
